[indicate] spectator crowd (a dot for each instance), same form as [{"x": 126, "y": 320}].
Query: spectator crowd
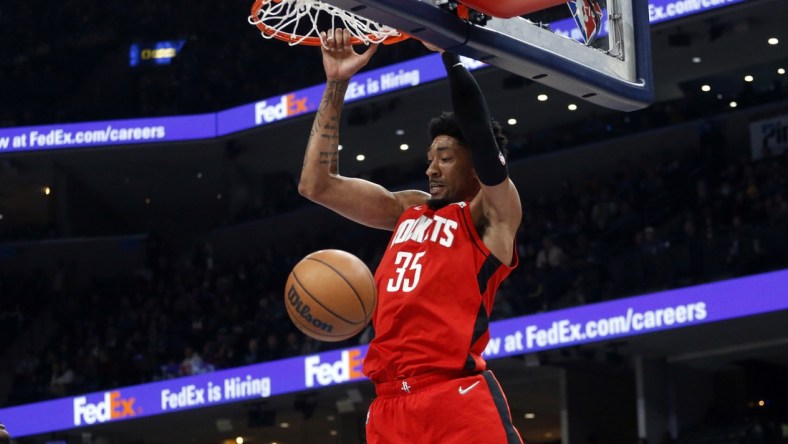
[{"x": 634, "y": 232}]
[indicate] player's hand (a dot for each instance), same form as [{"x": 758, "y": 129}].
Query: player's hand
[{"x": 340, "y": 60}]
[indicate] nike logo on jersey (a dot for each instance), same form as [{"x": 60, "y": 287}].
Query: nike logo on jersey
[{"x": 469, "y": 388}]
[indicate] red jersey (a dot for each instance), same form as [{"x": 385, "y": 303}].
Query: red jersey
[{"x": 436, "y": 285}]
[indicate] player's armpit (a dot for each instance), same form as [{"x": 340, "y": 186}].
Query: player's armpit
[{"x": 498, "y": 209}]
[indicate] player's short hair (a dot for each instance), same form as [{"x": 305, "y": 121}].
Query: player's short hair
[{"x": 446, "y": 125}]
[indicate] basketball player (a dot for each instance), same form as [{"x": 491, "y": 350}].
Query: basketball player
[{"x": 436, "y": 283}]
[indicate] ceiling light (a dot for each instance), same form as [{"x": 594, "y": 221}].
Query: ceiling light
[
  {"x": 541, "y": 97},
  {"x": 530, "y": 416},
  {"x": 1, "y": 217},
  {"x": 219, "y": 196},
  {"x": 399, "y": 132},
  {"x": 360, "y": 157},
  {"x": 512, "y": 121},
  {"x": 333, "y": 433},
  {"x": 780, "y": 71},
  {"x": 696, "y": 60},
  {"x": 748, "y": 78},
  {"x": 404, "y": 147},
  {"x": 705, "y": 88},
  {"x": 199, "y": 175},
  {"x": 284, "y": 425},
  {"x": 773, "y": 41},
  {"x": 239, "y": 440},
  {"x": 47, "y": 191},
  {"x": 572, "y": 107},
  {"x": 147, "y": 201},
  {"x": 339, "y": 147},
  {"x": 761, "y": 403},
  {"x": 733, "y": 104}
]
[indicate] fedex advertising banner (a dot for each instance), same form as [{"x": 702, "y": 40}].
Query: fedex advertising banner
[
  {"x": 528, "y": 334},
  {"x": 109, "y": 132},
  {"x": 639, "y": 315},
  {"x": 221, "y": 387},
  {"x": 364, "y": 85}
]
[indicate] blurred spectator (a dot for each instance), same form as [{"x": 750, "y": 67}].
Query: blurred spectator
[
  {"x": 655, "y": 260},
  {"x": 744, "y": 249},
  {"x": 551, "y": 256},
  {"x": 62, "y": 378},
  {"x": 292, "y": 345},
  {"x": 552, "y": 265},
  {"x": 192, "y": 363},
  {"x": 5, "y": 438},
  {"x": 252, "y": 352}
]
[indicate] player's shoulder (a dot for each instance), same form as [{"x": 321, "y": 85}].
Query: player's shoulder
[{"x": 411, "y": 198}]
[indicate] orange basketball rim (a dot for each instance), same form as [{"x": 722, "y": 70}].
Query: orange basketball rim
[{"x": 280, "y": 19}]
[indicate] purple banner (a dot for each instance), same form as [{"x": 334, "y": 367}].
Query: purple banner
[
  {"x": 364, "y": 85},
  {"x": 640, "y": 315},
  {"x": 664, "y": 10},
  {"x": 221, "y": 387},
  {"x": 562, "y": 328},
  {"x": 109, "y": 132}
]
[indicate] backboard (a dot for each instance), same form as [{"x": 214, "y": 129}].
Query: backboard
[{"x": 617, "y": 75}]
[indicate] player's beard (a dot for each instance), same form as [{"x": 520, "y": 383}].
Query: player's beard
[{"x": 437, "y": 204}]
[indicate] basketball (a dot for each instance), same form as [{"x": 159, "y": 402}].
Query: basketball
[{"x": 330, "y": 295}]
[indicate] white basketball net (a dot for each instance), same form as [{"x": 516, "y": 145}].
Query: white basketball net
[{"x": 285, "y": 16}]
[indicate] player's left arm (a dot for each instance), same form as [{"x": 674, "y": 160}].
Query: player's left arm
[{"x": 496, "y": 209}]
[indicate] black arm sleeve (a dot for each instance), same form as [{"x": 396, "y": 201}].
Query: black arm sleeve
[{"x": 471, "y": 112}]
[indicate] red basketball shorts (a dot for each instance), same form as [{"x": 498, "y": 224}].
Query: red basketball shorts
[{"x": 441, "y": 409}]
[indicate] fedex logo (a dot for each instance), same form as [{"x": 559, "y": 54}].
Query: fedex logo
[
  {"x": 288, "y": 105},
  {"x": 112, "y": 407},
  {"x": 346, "y": 369}
]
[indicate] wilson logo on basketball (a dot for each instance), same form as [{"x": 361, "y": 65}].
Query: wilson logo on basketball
[{"x": 305, "y": 312}]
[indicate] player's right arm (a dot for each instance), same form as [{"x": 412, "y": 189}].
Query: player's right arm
[{"x": 359, "y": 200}]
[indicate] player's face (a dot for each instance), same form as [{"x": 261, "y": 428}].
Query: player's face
[{"x": 450, "y": 171}]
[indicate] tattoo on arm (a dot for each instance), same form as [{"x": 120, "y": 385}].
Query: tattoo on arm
[
  {"x": 326, "y": 125},
  {"x": 329, "y": 157}
]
